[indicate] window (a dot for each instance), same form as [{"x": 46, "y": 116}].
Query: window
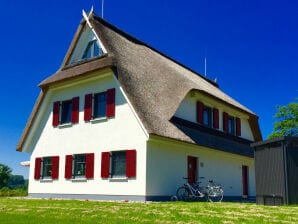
[
  {"x": 118, "y": 164},
  {"x": 66, "y": 111},
  {"x": 207, "y": 117},
  {"x": 100, "y": 103},
  {"x": 118, "y": 168},
  {"x": 79, "y": 166},
  {"x": 92, "y": 50},
  {"x": 231, "y": 125},
  {"x": 46, "y": 167}
]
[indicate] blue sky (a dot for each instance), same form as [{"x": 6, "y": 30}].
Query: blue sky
[{"x": 251, "y": 48}]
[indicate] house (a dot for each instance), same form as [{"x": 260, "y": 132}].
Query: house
[{"x": 120, "y": 120}]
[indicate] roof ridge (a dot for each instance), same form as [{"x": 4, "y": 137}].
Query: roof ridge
[{"x": 138, "y": 41}]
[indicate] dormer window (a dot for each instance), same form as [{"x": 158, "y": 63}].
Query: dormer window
[
  {"x": 207, "y": 117},
  {"x": 231, "y": 125},
  {"x": 92, "y": 50}
]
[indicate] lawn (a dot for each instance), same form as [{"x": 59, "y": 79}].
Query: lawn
[{"x": 17, "y": 210}]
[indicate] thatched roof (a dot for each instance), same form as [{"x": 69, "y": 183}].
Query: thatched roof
[{"x": 154, "y": 83}]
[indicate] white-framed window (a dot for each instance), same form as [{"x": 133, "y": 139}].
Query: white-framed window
[
  {"x": 99, "y": 105},
  {"x": 92, "y": 50},
  {"x": 46, "y": 167},
  {"x": 66, "y": 108},
  {"x": 79, "y": 166},
  {"x": 66, "y": 112},
  {"x": 118, "y": 164}
]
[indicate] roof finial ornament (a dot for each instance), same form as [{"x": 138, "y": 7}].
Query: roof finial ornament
[{"x": 91, "y": 11}]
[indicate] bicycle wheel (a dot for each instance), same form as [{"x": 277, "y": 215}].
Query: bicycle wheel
[
  {"x": 215, "y": 194},
  {"x": 182, "y": 194}
]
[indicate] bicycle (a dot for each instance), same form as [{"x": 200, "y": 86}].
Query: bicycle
[{"x": 212, "y": 192}]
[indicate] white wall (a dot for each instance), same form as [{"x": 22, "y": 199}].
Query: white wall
[
  {"x": 119, "y": 133},
  {"x": 188, "y": 110},
  {"x": 167, "y": 164}
]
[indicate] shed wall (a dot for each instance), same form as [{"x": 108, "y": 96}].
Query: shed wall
[
  {"x": 292, "y": 165},
  {"x": 270, "y": 172}
]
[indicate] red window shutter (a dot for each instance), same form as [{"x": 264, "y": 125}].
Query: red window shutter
[
  {"x": 37, "y": 168},
  {"x": 56, "y": 113},
  {"x": 200, "y": 111},
  {"x": 88, "y": 107},
  {"x": 225, "y": 121},
  {"x": 215, "y": 118},
  {"x": 105, "y": 164},
  {"x": 89, "y": 165},
  {"x": 68, "y": 167},
  {"x": 238, "y": 126},
  {"x": 110, "y": 109},
  {"x": 55, "y": 167},
  {"x": 75, "y": 110},
  {"x": 131, "y": 156}
]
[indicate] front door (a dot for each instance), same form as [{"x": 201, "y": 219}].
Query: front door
[
  {"x": 192, "y": 169},
  {"x": 244, "y": 181}
]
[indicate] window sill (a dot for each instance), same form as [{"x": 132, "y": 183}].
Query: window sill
[
  {"x": 65, "y": 125},
  {"x": 46, "y": 180},
  {"x": 79, "y": 179},
  {"x": 118, "y": 179},
  {"x": 99, "y": 119}
]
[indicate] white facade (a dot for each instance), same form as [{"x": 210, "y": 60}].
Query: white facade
[
  {"x": 122, "y": 132},
  {"x": 167, "y": 165}
]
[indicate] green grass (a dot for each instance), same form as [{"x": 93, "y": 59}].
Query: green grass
[{"x": 19, "y": 210}]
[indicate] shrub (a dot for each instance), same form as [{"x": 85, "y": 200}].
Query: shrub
[{"x": 6, "y": 192}]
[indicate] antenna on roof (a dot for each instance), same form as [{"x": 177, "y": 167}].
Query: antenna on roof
[
  {"x": 102, "y": 7},
  {"x": 205, "y": 67}
]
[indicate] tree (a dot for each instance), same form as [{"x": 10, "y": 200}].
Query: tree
[
  {"x": 286, "y": 121},
  {"x": 5, "y": 173},
  {"x": 16, "y": 181}
]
